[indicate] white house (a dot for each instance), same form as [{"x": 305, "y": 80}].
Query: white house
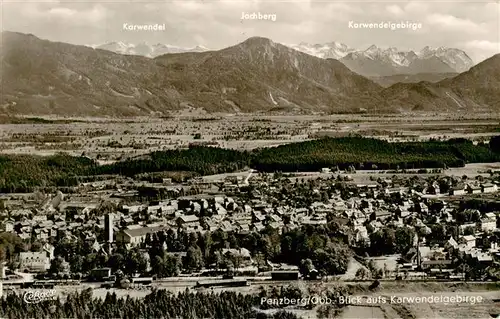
[
  {"x": 489, "y": 188},
  {"x": 34, "y": 261},
  {"x": 473, "y": 189},
  {"x": 488, "y": 224},
  {"x": 469, "y": 241},
  {"x": 457, "y": 190}
]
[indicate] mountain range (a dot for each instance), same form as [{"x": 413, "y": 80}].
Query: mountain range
[
  {"x": 146, "y": 49},
  {"x": 477, "y": 90},
  {"x": 257, "y": 75},
  {"x": 376, "y": 62},
  {"x": 373, "y": 62}
]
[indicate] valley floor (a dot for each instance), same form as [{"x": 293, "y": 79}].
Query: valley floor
[{"x": 112, "y": 139}]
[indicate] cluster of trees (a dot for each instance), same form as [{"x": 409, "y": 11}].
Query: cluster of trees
[
  {"x": 316, "y": 248},
  {"x": 10, "y": 246},
  {"x": 370, "y": 271},
  {"x": 495, "y": 144},
  {"x": 467, "y": 216},
  {"x": 6, "y": 119},
  {"x": 388, "y": 241},
  {"x": 82, "y": 258},
  {"x": 22, "y": 173},
  {"x": 440, "y": 232},
  {"x": 199, "y": 159},
  {"x": 158, "y": 304},
  {"x": 79, "y": 254},
  {"x": 481, "y": 205}
]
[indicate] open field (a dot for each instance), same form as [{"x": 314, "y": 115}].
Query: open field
[{"x": 108, "y": 139}]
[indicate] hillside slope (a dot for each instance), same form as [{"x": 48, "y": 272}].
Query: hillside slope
[
  {"x": 43, "y": 77},
  {"x": 260, "y": 75},
  {"x": 476, "y": 90}
]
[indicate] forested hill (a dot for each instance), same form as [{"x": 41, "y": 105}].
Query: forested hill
[{"x": 22, "y": 173}]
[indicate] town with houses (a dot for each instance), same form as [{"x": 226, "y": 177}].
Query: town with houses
[
  {"x": 251, "y": 160},
  {"x": 447, "y": 236}
]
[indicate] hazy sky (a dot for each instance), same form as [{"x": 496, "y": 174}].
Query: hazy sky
[{"x": 473, "y": 27}]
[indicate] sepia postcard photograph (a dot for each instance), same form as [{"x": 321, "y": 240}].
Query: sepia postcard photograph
[{"x": 260, "y": 159}]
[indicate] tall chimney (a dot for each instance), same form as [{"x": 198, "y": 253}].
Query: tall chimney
[{"x": 2, "y": 276}]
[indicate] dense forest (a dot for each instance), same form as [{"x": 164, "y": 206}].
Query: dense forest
[
  {"x": 200, "y": 159},
  {"x": 20, "y": 173},
  {"x": 158, "y": 304},
  {"x": 23, "y": 173},
  {"x": 368, "y": 153}
]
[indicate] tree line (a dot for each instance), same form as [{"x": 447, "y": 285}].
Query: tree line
[{"x": 158, "y": 304}]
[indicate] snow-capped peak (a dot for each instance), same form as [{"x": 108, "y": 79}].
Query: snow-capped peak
[
  {"x": 372, "y": 48},
  {"x": 391, "y": 57},
  {"x": 146, "y": 49},
  {"x": 200, "y": 48},
  {"x": 429, "y": 51},
  {"x": 331, "y": 50},
  {"x": 455, "y": 58}
]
